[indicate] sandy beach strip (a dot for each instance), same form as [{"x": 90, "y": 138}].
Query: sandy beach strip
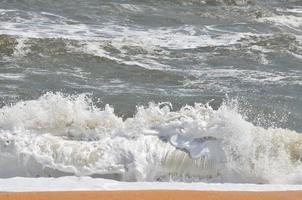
[{"x": 152, "y": 195}]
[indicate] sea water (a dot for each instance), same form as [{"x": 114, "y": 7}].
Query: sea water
[{"x": 176, "y": 90}]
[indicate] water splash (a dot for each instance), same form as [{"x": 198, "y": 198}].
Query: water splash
[{"x": 57, "y": 135}]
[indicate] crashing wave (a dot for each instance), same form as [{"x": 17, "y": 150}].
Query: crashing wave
[{"x": 57, "y": 135}]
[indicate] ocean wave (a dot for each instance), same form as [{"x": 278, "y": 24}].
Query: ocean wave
[{"x": 58, "y": 134}]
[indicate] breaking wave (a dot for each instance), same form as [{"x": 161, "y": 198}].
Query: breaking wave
[{"x": 59, "y": 135}]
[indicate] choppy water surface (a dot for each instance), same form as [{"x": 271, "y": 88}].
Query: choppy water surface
[{"x": 61, "y": 62}]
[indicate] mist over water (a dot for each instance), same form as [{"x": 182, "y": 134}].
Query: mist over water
[{"x": 82, "y": 84}]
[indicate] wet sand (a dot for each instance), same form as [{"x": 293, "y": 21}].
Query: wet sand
[{"x": 151, "y": 195}]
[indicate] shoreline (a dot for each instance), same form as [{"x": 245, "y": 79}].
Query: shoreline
[{"x": 153, "y": 194}]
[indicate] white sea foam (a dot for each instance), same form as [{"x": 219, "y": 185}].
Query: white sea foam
[
  {"x": 290, "y": 21},
  {"x": 150, "y": 48},
  {"x": 54, "y": 26},
  {"x": 129, "y": 7},
  {"x": 231, "y": 75},
  {"x": 11, "y": 76},
  {"x": 294, "y": 10},
  {"x": 58, "y": 135},
  {"x": 72, "y": 183}
]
